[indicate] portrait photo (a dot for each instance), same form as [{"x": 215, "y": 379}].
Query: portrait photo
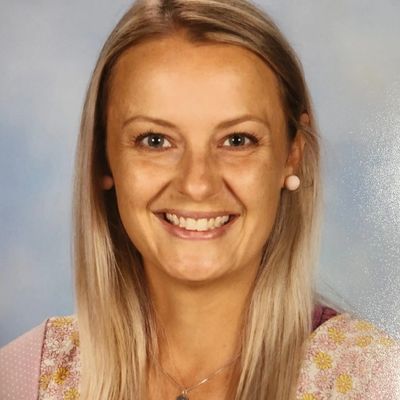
[{"x": 200, "y": 200}]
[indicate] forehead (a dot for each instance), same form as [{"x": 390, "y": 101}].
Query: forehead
[{"x": 175, "y": 77}]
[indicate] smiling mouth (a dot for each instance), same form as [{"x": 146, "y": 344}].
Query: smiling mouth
[{"x": 200, "y": 225}]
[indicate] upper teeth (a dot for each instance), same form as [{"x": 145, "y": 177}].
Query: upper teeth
[{"x": 202, "y": 224}]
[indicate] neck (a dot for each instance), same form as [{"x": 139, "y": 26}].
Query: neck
[{"x": 199, "y": 324}]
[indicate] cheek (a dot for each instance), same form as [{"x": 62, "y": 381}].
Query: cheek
[
  {"x": 137, "y": 173},
  {"x": 136, "y": 184},
  {"x": 258, "y": 182},
  {"x": 255, "y": 180},
  {"x": 260, "y": 191}
]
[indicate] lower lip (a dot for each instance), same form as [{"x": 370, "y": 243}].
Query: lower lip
[{"x": 195, "y": 235}]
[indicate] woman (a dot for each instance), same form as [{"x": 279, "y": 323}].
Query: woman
[{"x": 197, "y": 203}]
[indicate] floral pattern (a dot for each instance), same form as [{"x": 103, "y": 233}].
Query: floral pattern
[
  {"x": 60, "y": 364},
  {"x": 346, "y": 359},
  {"x": 350, "y": 359}
]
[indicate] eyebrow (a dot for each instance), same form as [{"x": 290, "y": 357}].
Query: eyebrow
[{"x": 221, "y": 125}]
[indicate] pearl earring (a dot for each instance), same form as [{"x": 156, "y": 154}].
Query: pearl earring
[
  {"x": 292, "y": 182},
  {"x": 107, "y": 182}
]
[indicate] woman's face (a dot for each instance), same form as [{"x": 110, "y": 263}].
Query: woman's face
[{"x": 196, "y": 163}]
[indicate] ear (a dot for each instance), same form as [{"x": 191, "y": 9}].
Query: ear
[
  {"x": 107, "y": 182},
  {"x": 296, "y": 149}
]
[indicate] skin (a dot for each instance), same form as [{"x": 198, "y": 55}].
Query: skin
[{"x": 199, "y": 287}]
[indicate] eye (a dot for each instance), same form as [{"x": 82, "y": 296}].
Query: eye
[
  {"x": 158, "y": 141},
  {"x": 154, "y": 140},
  {"x": 241, "y": 139}
]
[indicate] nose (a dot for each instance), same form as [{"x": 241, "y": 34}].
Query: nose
[{"x": 198, "y": 175}]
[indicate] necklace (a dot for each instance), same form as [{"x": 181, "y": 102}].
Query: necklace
[{"x": 185, "y": 390}]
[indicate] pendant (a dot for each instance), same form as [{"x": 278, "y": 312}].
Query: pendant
[{"x": 182, "y": 397}]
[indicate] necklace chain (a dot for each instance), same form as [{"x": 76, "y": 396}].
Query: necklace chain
[{"x": 185, "y": 390}]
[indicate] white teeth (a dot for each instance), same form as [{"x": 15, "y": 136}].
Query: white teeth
[
  {"x": 191, "y": 224},
  {"x": 202, "y": 224}
]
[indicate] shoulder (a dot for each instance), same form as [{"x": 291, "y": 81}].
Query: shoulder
[
  {"x": 43, "y": 363},
  {"x": 350, "y": 358},
  {"x": 321, "y": 314},
  {"x": 60, "y": 364},
  {"x": 20, "y": 364}
]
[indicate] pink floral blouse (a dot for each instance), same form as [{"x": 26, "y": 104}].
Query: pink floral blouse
[{"x": 347, "y": 358}]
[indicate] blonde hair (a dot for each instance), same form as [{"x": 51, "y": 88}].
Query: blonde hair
[{"x": 116, "y": 319}]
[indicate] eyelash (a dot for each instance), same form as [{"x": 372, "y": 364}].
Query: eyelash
[{"x": 137, "y": 140}]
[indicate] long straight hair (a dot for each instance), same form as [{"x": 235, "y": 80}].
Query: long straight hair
[{"x": 116, "y": 319}]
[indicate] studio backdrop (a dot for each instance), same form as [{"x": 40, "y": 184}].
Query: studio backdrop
[{"x": 351, "y": 57}]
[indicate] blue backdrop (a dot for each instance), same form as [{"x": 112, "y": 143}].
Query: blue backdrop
[{"x": 351, "y": 58}]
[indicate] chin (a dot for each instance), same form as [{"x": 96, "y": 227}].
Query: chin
[{"x": 195, "y": 274}]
